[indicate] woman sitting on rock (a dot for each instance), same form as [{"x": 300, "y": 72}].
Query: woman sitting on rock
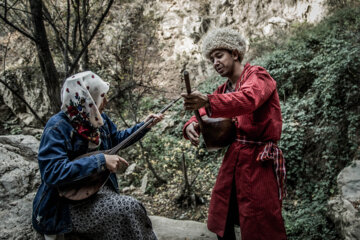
[{"x": 79, "y": 128}]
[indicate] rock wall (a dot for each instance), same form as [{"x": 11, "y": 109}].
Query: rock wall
[
  {"x": 19, "y": 58},
  {"x": 29, "y": 84},
  {"x": 184, "y": 23}
]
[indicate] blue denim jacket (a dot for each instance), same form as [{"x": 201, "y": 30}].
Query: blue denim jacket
[{"x": 59, "y": 144}]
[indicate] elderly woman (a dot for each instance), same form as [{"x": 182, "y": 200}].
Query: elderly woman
[{"x": 79, "y": 128}]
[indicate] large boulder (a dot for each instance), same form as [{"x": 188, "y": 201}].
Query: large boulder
[
  {"x": 19, "y": 178},
  {"x": 344, "y": 208}
]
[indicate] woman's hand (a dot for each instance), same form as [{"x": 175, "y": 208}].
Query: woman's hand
[
  {"x": 191, "y": 132},
  {"x": 114, "y": 163},
  {"x": 157, "y": 118}
]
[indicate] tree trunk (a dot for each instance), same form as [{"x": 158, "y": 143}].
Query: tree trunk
[
  {"x": 85, "y": 34},
  {"x": 47, "y": 65}
]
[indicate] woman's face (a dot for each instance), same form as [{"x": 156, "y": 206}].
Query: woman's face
[{"x": 103, "y": 104}]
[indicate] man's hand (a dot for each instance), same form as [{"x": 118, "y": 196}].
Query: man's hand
[
  {"x": 195, "y": 100},
  {"x": 191, "y": 132},
  {"x": 115, "y": 163},
  {"x": 157, "y": 118}
]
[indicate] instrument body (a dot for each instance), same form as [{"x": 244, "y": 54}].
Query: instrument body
[
  {"x": 86, "y": 187},
  {"x": 217, "y": 132}
]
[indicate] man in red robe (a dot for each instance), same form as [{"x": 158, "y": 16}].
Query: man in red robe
[{"x": 250, "y": 184}]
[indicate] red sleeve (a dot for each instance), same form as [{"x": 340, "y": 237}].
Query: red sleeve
[
  {"x": 256, "y": 89},
  {"x": 202, "y": 112}
]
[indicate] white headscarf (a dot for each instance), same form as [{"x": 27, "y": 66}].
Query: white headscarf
[{"x": 81, "y": 97}]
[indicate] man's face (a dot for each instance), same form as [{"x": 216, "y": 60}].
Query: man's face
[{"x": 223, "y": 62}]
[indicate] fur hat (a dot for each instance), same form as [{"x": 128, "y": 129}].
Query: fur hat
[{"x": 223, "y": 38}]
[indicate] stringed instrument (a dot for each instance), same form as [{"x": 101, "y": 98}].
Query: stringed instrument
[
  {"x": 86, "y": 187},
  {"x": 217, "y": 132}
]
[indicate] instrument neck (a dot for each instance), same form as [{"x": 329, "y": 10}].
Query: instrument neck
[
  {"x": 125, "y": 143},
  {"x": 199, "y": 119}
]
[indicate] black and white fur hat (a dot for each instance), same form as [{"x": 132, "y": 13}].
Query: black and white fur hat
[{"x": 223, "y": 38}]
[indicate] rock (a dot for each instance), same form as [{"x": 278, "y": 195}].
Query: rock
[
  {"x": 25, "y": 145},
  {"x": 130, "y": 169},
  {"x": 128, "y": 189},
  {"x": 18, "y": 182},
  {"x": 15, "y": 222},
  {"x": 349, "y": 182},
  {"x": 170, "y": 229},
  {"x": 144, "y": 182},
  {"x": 278, "y": 21},
  {"x": 344, "y": 208},
  {"x": 6, "y": 113},
  {"x": 29, "y": 84}
]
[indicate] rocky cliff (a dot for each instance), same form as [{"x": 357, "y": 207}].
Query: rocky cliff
[
  {"x": 184, "y": 24},
  {"x": 181, "y": 27}
]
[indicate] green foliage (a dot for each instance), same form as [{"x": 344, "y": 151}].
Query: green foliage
[
  {"x": 13, "y": 130},
  {"x": 318, "y": 77},
  {"x": 164, "y": 146},
  {"x": 306, "y": 221}
]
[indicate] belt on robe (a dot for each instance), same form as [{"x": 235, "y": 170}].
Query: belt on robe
[{"x": 271, "y": 152}]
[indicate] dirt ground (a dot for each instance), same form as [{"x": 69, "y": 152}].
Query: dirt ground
[{"x": 164, "y": 203}]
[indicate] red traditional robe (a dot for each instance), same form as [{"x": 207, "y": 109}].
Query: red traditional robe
[{"x": 255, "y": 108}]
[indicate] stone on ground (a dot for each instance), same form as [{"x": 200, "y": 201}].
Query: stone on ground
[
  {"x": 345, "y": 207},
  {"x": 170, "y": 229}
]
